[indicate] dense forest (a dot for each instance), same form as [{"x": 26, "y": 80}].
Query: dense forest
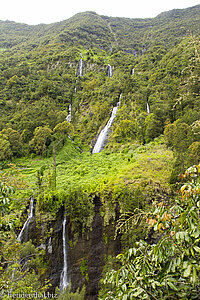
[{"x": 122, "y": 223}]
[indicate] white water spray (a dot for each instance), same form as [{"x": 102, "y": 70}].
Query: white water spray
[
  {"x": 148, "y": 108},
  {"x": 63, "y": 279},
  {"x": 80, "y": 68},
  {"x": 109, "y": 73},
  {"x": 26, "y": 224},
  {"x": 75, "y": 88},
  {"x": 50, "y": 246},
  {"x": 69, "y": 117},
  {"x": 103, "y": 136},
  {"x": 24, "y": 229}
]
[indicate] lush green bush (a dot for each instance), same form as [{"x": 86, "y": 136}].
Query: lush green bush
[{"x": 170, "y": 268}]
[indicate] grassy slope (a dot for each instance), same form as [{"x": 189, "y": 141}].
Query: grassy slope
[{"x": 150, "y": 163}]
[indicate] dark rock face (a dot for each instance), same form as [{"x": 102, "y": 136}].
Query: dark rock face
[
  {"x": 96, "y": 254},
  {"x": 85, "y": 252},
  {"x": 55, "y": 258}
]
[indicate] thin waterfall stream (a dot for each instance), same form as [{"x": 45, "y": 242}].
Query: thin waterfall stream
[
  {"x": 148, "y": 108},
  {"x": 69, "y": 116},
  {"x": 109, "y": 73},
  {"x": 63, "y": 279},
  {"x": 103, "y": 136},
  {"x": 79, "y": 72},
  {"x": 23, "y": 230},
  {"x": 26, "y": 224},
  {"x": 80, "y": 69},
  {"x": 50, "y": 245},
  {"x": 75, "y": 88}
]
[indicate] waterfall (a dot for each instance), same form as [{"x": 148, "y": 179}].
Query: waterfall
[
  {"x": 69, "y": 114},
  {"x": 49, "y": 246},
  {"x": 109, "y": 73},
  {"x": 133, "y": 71},
  {"x": 26, "y": 224},
  {"x": 148, "y": 108},
  {"x": 80, "y": 68},
  {"x": 63, "y": 279},
  {"x": 75, "y": 87},
  {"x": 24, "y": 229},
  {"x": 103, "y": 136}
]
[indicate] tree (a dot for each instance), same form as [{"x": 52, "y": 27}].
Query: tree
[
  {"x": 5, "y": 192},
  {"x": 169, "y": 269},
  {"x": 5, "y": 149},
  {"x": 20, "y": 264},
  {"x": 63, "y": 129},
  {"x": 19, "y": 270},
  {"x": 125, "y": 130},
  {"x": 14, "y": 139},
  {"x": 153, "y": 127},
  {"x": 196, "y": 129},
  {"x": 194, "y": 152},
  {"x": 41, "y": 139},
  {"x": 140, "y": 125},
  {"x": 179, "y": 136}
]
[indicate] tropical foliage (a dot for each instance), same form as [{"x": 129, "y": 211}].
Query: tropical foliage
[
  {"x": 169, "y": 268},
  {"x": 154, "y": 137}
]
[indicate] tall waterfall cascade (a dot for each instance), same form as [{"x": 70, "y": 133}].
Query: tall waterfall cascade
[
  {"x": 103, "y": 136},
  {"x": 63, "y": 279},
  {"x": 148, "y": 108},
  {"x": 133, "y": 71},
  {"x": 26, "y": 224},
  {"x": 109, "y": 73},
  {"x": 69, "y": 117}
]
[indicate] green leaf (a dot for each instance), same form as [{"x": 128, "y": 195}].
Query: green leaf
[
  {"x": 124, "y": 288},
  {"x": 178, "y": 261},
  {"x": 139, "y": 291},
  {"x": 185, "y": 264},
  {"x": 196, "y": 248},
  {"x": 183, "y": 217},
  {"x": 171, "y": 279},
  {"x": 194, "y": 275},
  {"x": 196, "y": 233},
  {"x": 172, "y": 286},
  {"x": 187, "y": 271}
]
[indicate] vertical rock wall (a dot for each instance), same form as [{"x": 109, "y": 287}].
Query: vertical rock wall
[{"x": 86, "y": 252}]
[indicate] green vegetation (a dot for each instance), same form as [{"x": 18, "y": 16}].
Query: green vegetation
[
  {"x": 67, "y": 295},
  {"x": 169, "y": 268},
  {"x": 80, "y": 178},
  {"x": 154, "y": 61}
]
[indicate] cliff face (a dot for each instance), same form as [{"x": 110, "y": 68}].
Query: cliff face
[
  {"x": 89, "y": 249},
  {"x": 92, "y": 217},
  {"x": 85, "y": 252}
]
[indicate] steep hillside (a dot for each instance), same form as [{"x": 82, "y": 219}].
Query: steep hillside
[
  {"x": 131, "y": 85},
  {"x": 90, "y": 29}
]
